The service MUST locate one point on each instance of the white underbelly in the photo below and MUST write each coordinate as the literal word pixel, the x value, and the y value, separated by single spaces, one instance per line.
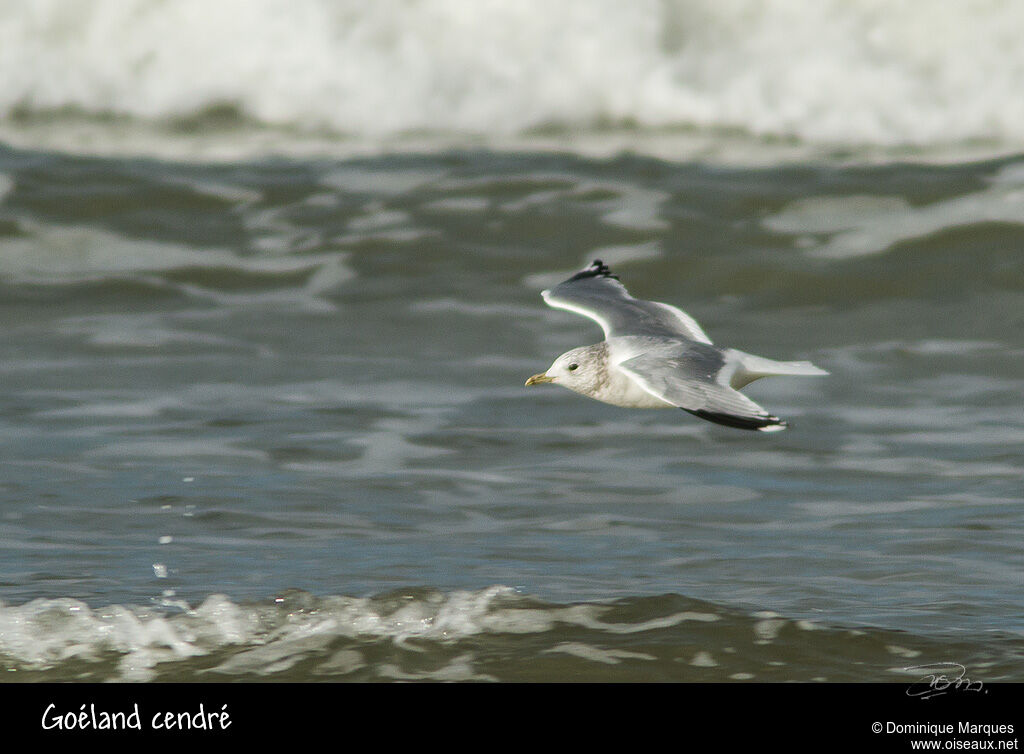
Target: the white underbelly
pixel 622 391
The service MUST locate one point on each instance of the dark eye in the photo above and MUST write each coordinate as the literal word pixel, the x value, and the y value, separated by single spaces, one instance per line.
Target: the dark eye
pixel 573 367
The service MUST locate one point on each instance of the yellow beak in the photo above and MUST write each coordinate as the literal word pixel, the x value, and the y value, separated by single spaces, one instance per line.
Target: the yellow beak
pixel 537 379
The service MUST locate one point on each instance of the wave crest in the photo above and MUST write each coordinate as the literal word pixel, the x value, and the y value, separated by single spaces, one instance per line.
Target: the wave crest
pixel 835 71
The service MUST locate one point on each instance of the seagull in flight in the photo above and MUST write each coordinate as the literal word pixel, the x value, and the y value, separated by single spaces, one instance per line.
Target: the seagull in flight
pixel 657 356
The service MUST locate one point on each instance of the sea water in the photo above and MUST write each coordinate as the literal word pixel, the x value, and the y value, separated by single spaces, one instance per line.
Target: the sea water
pixel 270 283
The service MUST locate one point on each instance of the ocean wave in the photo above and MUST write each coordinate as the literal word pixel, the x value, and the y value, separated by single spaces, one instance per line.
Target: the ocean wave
pixel 837 71
pixel 490 634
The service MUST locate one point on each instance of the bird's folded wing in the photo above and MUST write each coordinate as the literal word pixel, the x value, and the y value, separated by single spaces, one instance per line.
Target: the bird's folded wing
pixel 596 293
pixel 676 381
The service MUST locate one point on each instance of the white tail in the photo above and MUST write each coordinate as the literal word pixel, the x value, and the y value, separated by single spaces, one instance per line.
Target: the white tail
pixel 750 368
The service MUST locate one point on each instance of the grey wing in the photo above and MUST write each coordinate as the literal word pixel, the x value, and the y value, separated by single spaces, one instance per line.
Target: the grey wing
pixel 596 293
pixel 690 380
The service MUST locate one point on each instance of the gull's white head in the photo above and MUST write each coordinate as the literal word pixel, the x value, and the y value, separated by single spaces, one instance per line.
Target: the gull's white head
pixel 581 369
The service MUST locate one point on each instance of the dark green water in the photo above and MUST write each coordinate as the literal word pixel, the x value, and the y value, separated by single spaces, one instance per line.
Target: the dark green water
pixel 265 419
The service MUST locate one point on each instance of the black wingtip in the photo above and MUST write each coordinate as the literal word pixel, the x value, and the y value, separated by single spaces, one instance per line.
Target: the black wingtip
pixel 597 269
pixel 765 424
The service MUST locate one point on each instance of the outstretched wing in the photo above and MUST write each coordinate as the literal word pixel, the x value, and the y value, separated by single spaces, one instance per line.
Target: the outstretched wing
pixel 695 380
pixel 596 293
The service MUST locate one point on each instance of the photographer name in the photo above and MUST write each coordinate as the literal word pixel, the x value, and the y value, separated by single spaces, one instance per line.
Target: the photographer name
pixel 89 718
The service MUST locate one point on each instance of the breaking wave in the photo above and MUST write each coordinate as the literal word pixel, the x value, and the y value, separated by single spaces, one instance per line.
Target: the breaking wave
pixel 836 71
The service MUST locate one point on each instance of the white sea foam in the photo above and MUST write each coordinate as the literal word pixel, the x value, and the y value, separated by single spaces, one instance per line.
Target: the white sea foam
pixel 863 225
pixel 264 639
pixel 58 254
pixel 596 654
pixel 843 71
